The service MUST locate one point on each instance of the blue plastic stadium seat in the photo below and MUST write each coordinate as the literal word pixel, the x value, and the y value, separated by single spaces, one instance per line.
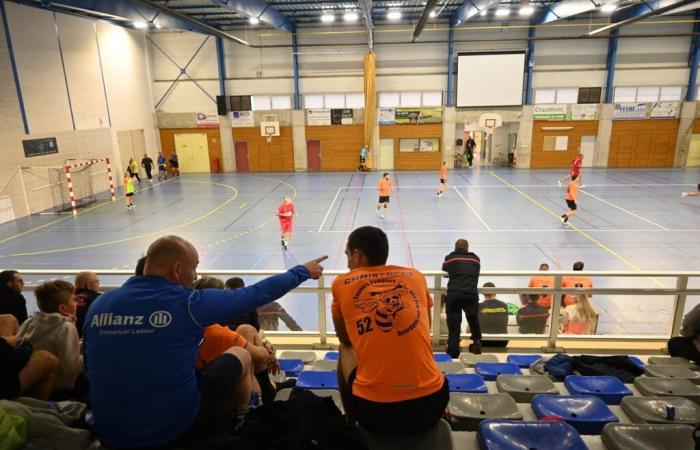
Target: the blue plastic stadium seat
pixel 609 389
pixel 523 360
pixel 491 370
pixel 586 413
pixel 332 356
pixel 636 361
pixel 442 357
pixel 317 379
pixel 466 382
pixel 291 367
pixel 514 435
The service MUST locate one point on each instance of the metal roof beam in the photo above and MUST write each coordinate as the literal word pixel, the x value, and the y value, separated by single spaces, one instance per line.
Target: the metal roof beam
pixel 566 9
pixel 423 18
pixel 469 9
pixel 641 11
pixel 260 9
pixel 366 8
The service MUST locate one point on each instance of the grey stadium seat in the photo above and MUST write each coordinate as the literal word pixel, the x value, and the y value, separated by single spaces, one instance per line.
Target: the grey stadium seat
pixel 451 367
pixel 437 438
pixel 667 387
pixel 523 387
pixel 325 364
pixel 283 394
pixel 654 410
pixel 307 357
pixel 671 361
pixel 672 371
pixel 470 360
pixel 468 410
pixel 627 436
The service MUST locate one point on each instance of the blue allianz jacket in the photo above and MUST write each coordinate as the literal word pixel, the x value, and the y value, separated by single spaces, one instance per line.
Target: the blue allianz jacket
pixel 141 342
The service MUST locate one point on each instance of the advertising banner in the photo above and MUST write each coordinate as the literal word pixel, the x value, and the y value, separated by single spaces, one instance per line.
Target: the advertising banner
pixel 318 116
pixel 207 120
pixel 664 110
pixel 386 116
pixel 418 115
pixel 630 111
pixel 242 119
pixel 341 116
pixel 584 112
pixel 549 112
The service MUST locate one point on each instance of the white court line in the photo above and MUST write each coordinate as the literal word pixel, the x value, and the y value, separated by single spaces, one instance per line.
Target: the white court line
pixel 501 186
pixel 472 208
pixel 329 209
pixel 625 210
pixel 552 230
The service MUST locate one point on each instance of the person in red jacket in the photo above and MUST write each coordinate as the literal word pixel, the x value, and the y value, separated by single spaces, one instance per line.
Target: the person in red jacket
pixel 286 213
pixel 575 170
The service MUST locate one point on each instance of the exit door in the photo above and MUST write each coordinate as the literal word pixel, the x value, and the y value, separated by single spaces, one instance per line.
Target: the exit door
pixel 242 162
pixel 313 155
pixel 386 154
pixel 588 150
pixel 192 152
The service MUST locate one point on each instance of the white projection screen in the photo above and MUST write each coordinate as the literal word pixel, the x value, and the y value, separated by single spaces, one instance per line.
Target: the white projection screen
pixel 490 79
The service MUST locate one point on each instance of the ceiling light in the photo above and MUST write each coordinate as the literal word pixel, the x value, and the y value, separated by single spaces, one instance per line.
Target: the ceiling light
pixel 502 12
pixel 253 21
pixel 350 16
pixel 526 10
pixel 483 12
pixel 327 18
pixel 140 25
pixel 608 7
pixel 158 26
pixel 433 14
pixel 393 15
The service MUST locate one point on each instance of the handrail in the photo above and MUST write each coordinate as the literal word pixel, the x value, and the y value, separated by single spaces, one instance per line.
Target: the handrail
pixel 678 289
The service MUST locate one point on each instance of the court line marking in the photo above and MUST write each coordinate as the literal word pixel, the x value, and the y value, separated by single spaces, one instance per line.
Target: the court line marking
pixel 329 210
pixel 583 233
pixel 481 219
pixel 500 186
pixel 552 230
pixel 242 205
pixel 625 210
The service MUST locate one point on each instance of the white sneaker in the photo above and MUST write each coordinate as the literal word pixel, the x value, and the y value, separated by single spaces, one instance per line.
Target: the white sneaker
pixel 379 212
pixel 582 186
pixel 561 219
pixel 559 182
pixel 382 216
pixel 684 194
pixel 133 206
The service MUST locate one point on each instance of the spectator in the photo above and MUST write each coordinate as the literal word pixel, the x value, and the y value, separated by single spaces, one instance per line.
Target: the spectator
pixel 142 341
pixel 174 164
pixel 147 164
pixel 24 372
pixel 249 317
pixel 579 281
pixel 540 281
pixel 11 299
pixel 269 316
pixel 388 380
pixel 463 269
pixel 493 317
pixel 8 325
pixel 579 318
pixel 140 264
pixel 87 286
pixel 687 345
pixel 532 318
pixel 52 329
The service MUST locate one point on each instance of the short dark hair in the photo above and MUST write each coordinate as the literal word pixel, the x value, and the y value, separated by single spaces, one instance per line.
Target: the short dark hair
pixel 544 266
pixel 372 242
pixel 578 265
pixel 208 283
pixel 234 283
pixel 52 294
pixel 140 265
pixel 489 284
pixel 6 276
pixel 385 174
pixel 534 297
pixel 462 245
pixel 573 177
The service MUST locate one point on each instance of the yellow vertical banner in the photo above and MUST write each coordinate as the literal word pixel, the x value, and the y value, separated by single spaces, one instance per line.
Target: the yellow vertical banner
pixel 370 99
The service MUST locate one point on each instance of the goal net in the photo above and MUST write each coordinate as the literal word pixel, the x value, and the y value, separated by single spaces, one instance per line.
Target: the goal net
pixel 66 189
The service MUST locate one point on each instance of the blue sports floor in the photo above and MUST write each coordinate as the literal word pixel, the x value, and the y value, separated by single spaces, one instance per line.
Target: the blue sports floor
pixel 628 220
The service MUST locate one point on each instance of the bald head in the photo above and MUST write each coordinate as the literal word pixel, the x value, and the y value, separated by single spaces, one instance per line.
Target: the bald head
pixel 461 245
pixel 174 259
pixel 87 280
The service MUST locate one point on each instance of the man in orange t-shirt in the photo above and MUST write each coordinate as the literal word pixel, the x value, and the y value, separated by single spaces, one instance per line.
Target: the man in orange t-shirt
pixel 443 179
pixel 388 379
pixel 542 281
pixel 575 282
pixel 385 189
pixel 571 197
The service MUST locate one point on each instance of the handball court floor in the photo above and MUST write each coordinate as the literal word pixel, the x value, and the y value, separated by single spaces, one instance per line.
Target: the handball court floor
pixel 628 220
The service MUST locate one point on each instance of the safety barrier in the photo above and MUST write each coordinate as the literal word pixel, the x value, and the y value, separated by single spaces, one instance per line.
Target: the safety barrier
pixel 436 279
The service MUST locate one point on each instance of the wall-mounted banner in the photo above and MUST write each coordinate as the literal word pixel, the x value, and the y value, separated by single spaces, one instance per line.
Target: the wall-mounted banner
pixel 242 119
pixel 386 116
pixel 38 147
pixel 664 110
pixel 630 111
pixel 207 120
pixel 584 112
pixel 418 115
pixel 318 116
pixel 341 116
pixel 549 112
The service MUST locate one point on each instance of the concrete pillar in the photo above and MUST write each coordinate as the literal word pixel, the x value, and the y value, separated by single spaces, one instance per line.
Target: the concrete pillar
pixel 228 155
pixel 449 115
pixel 523 150
pixel 299 139
pixel 374 147
pixel 602 142
pixel 685 131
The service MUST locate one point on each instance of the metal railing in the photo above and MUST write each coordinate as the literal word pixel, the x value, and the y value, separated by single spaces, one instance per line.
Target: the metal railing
pixel 322 289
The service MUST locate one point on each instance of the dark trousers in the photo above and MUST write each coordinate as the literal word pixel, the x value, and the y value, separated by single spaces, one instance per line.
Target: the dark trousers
pixel 455 303
pixel 470 158
pixel 684 347
pixel 148 172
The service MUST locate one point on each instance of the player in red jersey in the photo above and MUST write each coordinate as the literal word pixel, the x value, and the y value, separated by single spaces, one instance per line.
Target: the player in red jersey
pixel 575 170
pixel 286 212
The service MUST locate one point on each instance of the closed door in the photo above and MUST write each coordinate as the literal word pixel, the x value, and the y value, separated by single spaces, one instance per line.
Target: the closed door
pixel 694 151
pixel 192 152
pixel 386 154
pixel 588 150
pixel 313 155
pixel 242 163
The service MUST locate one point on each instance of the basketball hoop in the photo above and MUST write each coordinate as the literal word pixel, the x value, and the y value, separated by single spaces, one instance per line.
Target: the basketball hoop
pixel 268 138
pixel 490 121
pixel 269 127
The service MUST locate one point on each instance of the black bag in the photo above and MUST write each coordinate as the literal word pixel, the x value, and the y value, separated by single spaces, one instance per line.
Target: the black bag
pixel 616 366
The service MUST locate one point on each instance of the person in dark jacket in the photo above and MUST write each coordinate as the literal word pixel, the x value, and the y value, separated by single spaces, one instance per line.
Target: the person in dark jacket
pixel 687 344
pixel 269 316
pixel 532 318
pixel 87 286
pixel 463 269
pixel 247 318
pixel 11 299
pixel 493 317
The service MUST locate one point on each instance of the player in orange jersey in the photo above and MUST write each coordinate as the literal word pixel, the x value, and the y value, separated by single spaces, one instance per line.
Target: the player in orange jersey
pixel 571 197
pixel 385 188
pixel 443 179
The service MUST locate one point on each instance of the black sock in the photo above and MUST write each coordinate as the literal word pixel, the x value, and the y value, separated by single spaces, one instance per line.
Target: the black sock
pixel 566 218
pixel 266 388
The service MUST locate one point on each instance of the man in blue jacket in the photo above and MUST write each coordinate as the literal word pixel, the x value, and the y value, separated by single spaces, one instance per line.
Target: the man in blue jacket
pixel 141 342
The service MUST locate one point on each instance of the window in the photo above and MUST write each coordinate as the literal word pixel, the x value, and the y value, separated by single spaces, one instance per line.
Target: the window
pixel 355 100
pixel 671 93
pixel 389 99
pixel 239 103
pixel 545 96
pixel 338 101
pixel 647 93
pixel 409 145
pixel 559 96
pixel 411 99
pixel 432 98
pixel 335 100
pixel 313 101
pixel 281 102
pixel 625 95
pixel 261 103
pixel 567 95
pixel 589 95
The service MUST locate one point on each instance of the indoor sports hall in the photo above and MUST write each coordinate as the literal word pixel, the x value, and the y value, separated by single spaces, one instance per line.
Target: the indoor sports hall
pixel 261 133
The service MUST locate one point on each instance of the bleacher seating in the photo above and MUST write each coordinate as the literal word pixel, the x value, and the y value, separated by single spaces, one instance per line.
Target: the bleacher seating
pixel 467 411
pixel 513 435
pixel 451 367
pixel 317 379
pixel 307 357
pixel 586 413
pixel 470 360
pixel 672 371
pixel 661 410
pixel 466 382
pixel 609 389
pixel 522 361
pixel 332 356
pixel 524 387
pixel 442 357
pixel 325 365
pixel 667 387
pixel 492 370
pixel 291 367
pixel 626 436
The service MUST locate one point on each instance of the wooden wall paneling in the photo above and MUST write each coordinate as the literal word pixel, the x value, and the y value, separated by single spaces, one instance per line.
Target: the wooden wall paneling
pixel 643 143
pixel 542 159
pixel 340 145
pixel 276 156
pixel 167 142
pixel 414 160
pixel 696 126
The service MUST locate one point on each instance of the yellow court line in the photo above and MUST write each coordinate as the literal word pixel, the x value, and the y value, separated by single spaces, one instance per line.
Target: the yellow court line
pixel 242 205
pixel 80 212
pixel 132 238
pixel 582 233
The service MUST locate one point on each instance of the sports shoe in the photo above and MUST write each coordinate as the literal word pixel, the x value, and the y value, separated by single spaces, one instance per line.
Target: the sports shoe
pixel 379 212
pixel 439 194
pixel 559 183
pixel 382 216
pixel 561 219
pixel 582 186
pixel 684 194
pixel 475 347
pixel 285 244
